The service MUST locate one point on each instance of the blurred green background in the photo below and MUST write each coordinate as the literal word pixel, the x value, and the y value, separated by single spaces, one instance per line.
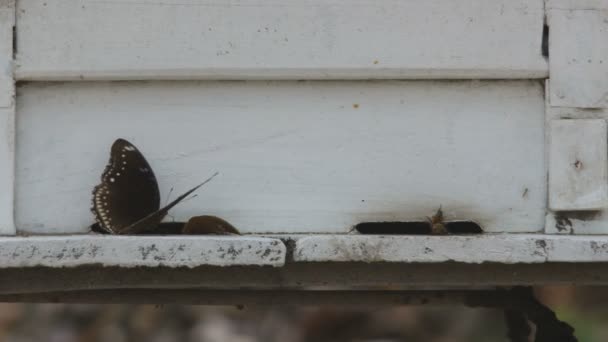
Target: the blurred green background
pixel 581 307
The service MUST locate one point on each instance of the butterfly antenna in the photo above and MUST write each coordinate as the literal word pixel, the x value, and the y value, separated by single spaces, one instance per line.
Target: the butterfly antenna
pixel 168 196
pixel 189 198
pixel 184 195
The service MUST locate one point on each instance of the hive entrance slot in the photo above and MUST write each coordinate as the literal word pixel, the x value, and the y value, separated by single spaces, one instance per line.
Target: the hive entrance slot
pixel 415 228
pixel 463 227
pixel 394 228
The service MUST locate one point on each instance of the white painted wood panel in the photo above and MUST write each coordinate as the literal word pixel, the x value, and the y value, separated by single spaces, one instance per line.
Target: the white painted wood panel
pixel 578 166
pixel 579 53
pixel 7 21
pixel 503 248
pixel 146 251
pixel 289 39
pixel 575 222
pixel 7 118
pixel 292 156
pixel 7 170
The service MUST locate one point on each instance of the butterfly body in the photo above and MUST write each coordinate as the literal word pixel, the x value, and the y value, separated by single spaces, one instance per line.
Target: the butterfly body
pixel 207 224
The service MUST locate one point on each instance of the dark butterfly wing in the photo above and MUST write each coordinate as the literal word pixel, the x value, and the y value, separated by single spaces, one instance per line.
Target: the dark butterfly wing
pixel 152 220
pixel 128 191
pixel 209 225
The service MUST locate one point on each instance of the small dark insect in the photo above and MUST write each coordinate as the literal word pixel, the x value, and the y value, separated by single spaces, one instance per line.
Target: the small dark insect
pixel 209 225
pixel 440 227
pixel 128 200
pixel 434 225
pixel 437 224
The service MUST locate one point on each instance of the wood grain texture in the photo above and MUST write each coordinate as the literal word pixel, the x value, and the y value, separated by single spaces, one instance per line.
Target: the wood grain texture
pixel 139 251
pixel 7 119
pixel 289 39
pixel 292 156
pixel 477 249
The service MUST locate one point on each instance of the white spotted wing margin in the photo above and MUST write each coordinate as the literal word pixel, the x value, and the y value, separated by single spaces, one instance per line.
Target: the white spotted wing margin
pixel 128 196
pixel 128 190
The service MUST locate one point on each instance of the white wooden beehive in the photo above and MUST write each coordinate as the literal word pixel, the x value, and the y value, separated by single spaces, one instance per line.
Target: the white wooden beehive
pixel 319 115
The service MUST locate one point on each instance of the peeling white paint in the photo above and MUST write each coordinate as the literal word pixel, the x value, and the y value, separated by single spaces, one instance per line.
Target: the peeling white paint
pixel 593 141
pixel 503 248
pixel 134 251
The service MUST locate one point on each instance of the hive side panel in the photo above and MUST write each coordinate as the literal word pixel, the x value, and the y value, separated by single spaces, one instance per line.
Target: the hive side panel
pixel 292 156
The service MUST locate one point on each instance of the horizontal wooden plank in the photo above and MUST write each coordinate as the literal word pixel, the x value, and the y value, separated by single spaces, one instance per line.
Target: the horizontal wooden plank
pixel 303 276
pixel 575 222
pixel 504 248
pixel 292 156
pixel 290 39
pixel 488 298
pixel 140 251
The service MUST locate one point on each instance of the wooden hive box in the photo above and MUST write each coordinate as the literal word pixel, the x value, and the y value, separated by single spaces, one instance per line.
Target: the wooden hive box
pixel 318 115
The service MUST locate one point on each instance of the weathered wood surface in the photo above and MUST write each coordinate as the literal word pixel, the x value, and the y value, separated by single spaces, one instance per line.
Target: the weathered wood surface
pixel 337 275
pixel 194 251
pixel 140 251
pixel 578 166
pixel 7 118
pixel 578 53
pixel 292 156
pixel 501 248
pixel 289 39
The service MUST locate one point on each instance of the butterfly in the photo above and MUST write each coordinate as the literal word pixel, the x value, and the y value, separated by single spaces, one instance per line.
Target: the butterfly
pixel 127 201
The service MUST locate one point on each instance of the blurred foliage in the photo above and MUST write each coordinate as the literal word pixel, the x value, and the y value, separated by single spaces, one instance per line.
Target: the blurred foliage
pixel 583 308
